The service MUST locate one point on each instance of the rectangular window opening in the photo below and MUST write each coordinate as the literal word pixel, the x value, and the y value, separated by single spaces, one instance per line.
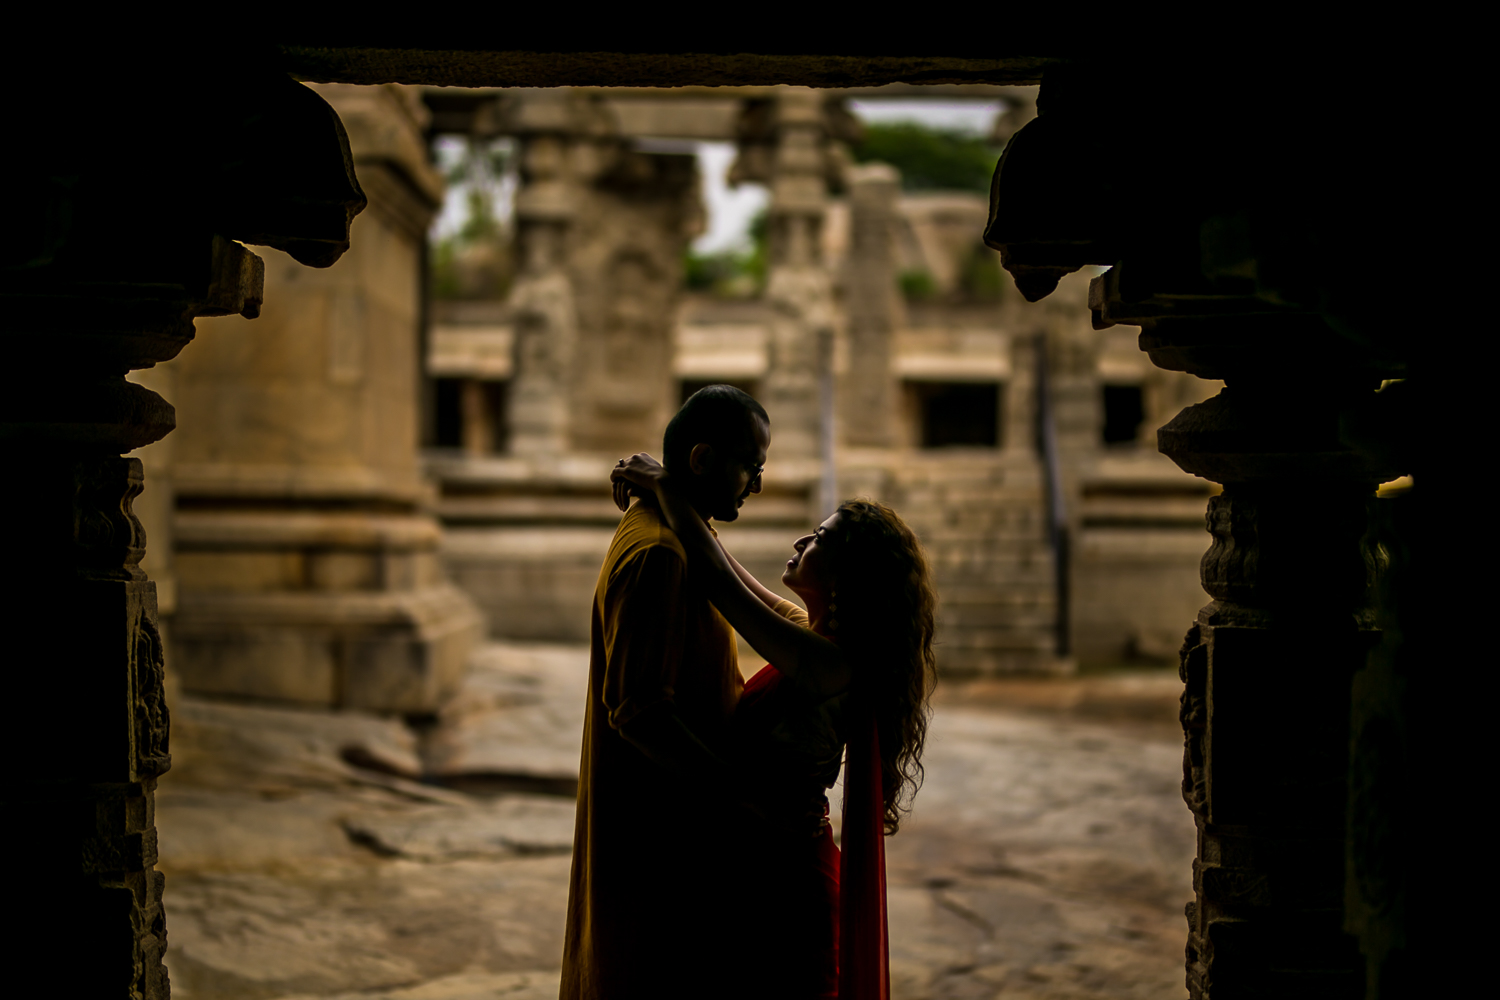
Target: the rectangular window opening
pixel 448 417
pixel 957 414
pixel 1124 412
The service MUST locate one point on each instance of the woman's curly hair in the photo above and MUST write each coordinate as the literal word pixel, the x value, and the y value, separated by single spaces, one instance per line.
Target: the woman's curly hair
pixel 886 604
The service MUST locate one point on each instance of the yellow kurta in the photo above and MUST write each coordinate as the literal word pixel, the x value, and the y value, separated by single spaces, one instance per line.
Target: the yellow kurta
pixel 649 895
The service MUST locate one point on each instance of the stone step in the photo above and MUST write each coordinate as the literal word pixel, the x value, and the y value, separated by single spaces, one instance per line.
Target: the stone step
pixel 997 619
pixel 916 501
pixel 1011 529
pixel 988 544
pixel 982 553
pixel 957 580
pixel 980 597
pixel 997 638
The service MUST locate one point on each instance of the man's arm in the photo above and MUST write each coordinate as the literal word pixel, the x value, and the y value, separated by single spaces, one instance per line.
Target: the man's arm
pixel 645 653
pixel 660 734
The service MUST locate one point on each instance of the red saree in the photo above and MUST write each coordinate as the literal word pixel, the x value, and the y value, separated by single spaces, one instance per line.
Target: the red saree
pixel 854 876
pixel 864 956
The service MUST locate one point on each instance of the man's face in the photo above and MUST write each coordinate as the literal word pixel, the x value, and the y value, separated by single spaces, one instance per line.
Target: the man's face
pixel 734 474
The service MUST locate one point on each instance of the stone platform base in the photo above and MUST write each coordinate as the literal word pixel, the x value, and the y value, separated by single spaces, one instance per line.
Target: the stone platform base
pixel 402 651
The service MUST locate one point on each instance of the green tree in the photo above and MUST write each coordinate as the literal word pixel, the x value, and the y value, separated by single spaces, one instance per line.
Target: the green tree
pixel 930 159
pixel 473 263
pixel 730 273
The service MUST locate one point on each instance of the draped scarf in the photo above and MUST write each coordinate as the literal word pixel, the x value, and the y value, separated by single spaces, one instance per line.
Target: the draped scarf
pixel 864 944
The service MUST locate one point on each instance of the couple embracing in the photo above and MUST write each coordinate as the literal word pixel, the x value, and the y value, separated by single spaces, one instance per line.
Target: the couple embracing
pixel 704 863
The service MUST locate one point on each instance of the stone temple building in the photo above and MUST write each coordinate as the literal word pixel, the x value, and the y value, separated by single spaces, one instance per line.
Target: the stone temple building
pixel 932 405
pixel 304 559
pixel 1314 678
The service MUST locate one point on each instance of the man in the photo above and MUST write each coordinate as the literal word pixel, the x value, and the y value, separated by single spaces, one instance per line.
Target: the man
pixel 650 899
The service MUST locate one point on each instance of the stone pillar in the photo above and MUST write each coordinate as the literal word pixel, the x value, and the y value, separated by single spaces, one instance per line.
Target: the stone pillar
pixel 104 269
pixel 542 299
pixel 795 127
pixel 640 212
pixel 156 505
pixel 1267 668
pixel 1268 664
pixel 308 565
pixel 873 306
pixel 478 428
pixel 1020 416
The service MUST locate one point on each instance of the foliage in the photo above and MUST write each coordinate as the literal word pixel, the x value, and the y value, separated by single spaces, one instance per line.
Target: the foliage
pixel 491 161
pixel 473 263
pixel 981 279
pixel 443 280
pixel 730 273
pixel 930 159
pixel 917 285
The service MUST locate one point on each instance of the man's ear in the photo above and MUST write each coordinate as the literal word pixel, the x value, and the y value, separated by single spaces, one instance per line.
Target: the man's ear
pixel 700 458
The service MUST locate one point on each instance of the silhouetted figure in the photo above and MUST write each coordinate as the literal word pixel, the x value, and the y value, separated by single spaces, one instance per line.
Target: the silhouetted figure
pixel 651 900
pixel 853 669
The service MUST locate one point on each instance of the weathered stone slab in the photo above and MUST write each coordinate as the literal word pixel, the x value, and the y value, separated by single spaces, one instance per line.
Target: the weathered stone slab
pixel 254 747
pixel 1045 857
pixel 508 827
pixel 465 986
pixel 336 928
pixel 518 712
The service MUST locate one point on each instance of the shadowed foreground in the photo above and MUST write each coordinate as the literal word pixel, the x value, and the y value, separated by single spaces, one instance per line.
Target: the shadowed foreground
pixel 1050 854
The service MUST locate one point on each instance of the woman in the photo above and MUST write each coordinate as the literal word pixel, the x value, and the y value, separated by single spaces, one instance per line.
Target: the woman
pixel 854 669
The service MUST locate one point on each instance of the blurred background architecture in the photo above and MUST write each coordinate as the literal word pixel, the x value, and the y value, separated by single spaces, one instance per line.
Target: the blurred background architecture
pixel 377 535
pixel 406 456
pixel 304 558
pixel 865 313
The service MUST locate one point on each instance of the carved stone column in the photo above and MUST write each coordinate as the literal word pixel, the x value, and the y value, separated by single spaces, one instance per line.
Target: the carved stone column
pixel 542 300
pixel 1020 420
pixel 638 214
pixel 308 566
pixel 790 142
pixel 103 272
pixel 874 308
pixel 1267 669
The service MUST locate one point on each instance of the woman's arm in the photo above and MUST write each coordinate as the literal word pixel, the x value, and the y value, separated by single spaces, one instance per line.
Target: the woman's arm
pixel 767 597
pixel 624 489
pixel 803 655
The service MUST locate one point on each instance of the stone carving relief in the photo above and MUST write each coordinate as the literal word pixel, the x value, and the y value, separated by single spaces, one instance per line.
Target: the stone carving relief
pixel 108 537
pixel 152 724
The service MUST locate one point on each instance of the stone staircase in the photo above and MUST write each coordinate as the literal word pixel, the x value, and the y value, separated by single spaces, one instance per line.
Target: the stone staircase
pixel 982 517
pixel 526 543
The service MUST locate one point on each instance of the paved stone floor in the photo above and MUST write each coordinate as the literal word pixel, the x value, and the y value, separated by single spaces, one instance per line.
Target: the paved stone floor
pixel 1049 855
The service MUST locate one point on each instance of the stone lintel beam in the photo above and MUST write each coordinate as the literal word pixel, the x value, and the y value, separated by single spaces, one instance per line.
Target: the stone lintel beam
pixel 568 60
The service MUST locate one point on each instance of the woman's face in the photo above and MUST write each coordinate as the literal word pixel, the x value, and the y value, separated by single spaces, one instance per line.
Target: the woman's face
pixel 810 570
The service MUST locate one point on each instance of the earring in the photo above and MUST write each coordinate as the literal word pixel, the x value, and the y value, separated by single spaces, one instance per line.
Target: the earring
pixel 833 623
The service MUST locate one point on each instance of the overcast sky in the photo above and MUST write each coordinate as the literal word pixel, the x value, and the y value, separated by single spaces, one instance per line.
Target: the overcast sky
pixel 730 211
